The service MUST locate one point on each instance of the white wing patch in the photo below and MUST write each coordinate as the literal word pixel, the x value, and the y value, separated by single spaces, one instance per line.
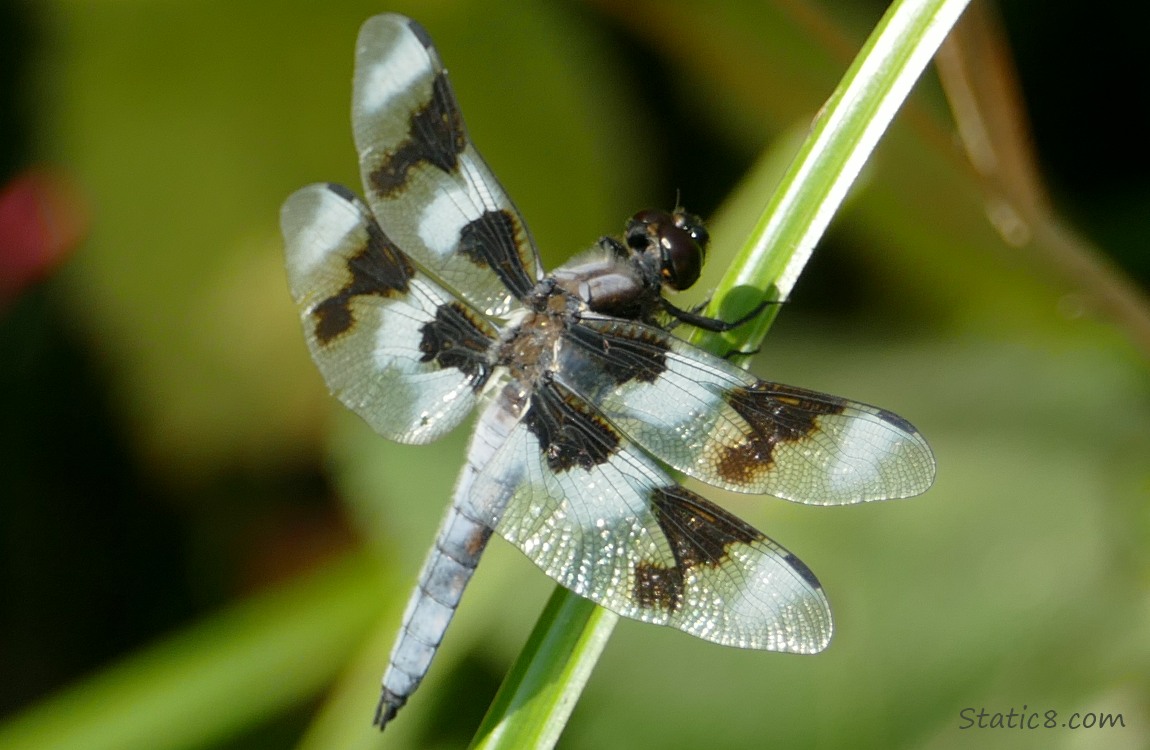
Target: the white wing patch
pixel 392 74
pixel 318 224
pixel 452 208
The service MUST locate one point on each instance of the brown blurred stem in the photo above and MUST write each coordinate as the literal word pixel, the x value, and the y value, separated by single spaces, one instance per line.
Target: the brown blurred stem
pixel 978 76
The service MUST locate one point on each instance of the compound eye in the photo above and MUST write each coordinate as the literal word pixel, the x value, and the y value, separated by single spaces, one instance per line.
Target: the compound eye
pixel 681 256
pixel 693 226
pixel 680 238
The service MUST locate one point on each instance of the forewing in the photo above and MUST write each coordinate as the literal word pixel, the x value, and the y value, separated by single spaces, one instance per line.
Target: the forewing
pixel 424 179
pixel 713 421
pixel 391 344
pixel 602 519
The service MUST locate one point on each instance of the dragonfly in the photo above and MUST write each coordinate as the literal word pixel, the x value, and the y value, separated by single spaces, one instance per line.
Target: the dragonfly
pixel 429 301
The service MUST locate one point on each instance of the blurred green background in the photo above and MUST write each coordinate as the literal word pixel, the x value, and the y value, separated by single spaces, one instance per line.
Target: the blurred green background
pixel 199 548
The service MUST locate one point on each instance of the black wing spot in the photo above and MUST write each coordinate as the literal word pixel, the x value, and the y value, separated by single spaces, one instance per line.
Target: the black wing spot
pixel 657 587
pixel 568 434
pixel 636 356
pixel 493 241
pixel 699 533
pixel 379 268
pixel 438 137
pixel 776 414
pixel 455 339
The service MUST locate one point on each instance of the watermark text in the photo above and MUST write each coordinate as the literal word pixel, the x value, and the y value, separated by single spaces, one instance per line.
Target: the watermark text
pixel 981 717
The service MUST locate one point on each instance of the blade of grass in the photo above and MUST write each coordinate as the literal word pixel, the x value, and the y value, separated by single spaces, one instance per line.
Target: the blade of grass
pixel 560 653
pixel 539 694
pixel 205 684
pixel 841 139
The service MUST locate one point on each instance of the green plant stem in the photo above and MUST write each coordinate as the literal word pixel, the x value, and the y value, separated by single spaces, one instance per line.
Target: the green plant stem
pixel 537 698
pixel 561 651
pixel 842 138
